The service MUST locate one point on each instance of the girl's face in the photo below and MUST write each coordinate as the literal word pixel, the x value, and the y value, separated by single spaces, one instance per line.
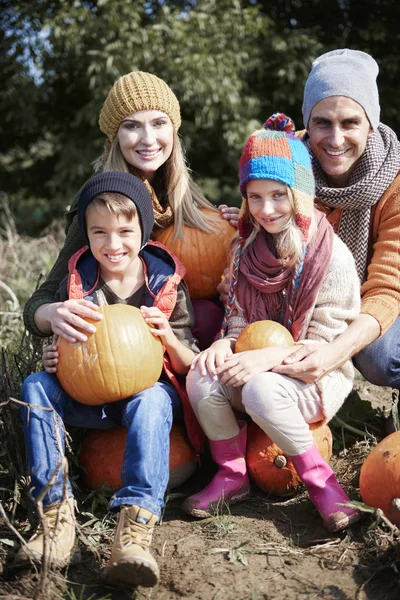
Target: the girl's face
pixel 115 242
pixel 146 140
pixel 269 204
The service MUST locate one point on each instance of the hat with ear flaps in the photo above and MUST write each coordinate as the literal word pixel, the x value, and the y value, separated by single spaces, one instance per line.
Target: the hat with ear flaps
pixel 274 153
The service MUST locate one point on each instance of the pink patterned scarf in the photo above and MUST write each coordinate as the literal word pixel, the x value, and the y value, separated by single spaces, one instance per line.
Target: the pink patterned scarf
pixel 265 287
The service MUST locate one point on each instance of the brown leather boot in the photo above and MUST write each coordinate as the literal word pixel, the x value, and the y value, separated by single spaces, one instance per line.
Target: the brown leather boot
pixel 60 520
pixel 131 562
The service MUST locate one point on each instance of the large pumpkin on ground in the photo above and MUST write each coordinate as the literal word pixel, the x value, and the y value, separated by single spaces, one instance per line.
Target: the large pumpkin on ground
pixel 120 359
pixel 270 468
pixel 263 334
pixel 205 255
pixel 102 453
pixel 380 477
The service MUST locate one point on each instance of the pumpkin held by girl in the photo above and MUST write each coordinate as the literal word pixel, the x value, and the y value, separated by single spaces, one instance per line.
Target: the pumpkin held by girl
pixel 263 334
pixel 119 360
pixel 102 453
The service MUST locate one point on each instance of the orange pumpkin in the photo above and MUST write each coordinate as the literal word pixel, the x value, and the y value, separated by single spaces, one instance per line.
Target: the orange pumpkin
pixel 102 453
pixel 120 359
pixel 205 255
pixel 263 334
pixel 380 477
pixel 271 469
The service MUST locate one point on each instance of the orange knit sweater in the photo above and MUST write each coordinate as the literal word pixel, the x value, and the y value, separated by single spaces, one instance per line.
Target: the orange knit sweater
pixel 380 294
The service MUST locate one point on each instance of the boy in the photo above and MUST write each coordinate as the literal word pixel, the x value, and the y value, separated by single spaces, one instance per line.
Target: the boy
pixel 119 266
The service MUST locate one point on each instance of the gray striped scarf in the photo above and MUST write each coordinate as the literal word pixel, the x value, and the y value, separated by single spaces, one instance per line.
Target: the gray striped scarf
pixel 376 170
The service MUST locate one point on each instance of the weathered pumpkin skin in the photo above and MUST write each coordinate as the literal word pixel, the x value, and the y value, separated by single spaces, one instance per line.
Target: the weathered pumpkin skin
pixel 102 453
pixel 205 255
pixel 263 334
pixel 120 359
pixel 380 477
pixel 264 458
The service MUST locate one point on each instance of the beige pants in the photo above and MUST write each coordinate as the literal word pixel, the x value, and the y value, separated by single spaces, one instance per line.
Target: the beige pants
pixel 280 405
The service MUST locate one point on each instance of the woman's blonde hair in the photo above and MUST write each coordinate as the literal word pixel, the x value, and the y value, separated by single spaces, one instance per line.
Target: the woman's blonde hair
pixel 184 196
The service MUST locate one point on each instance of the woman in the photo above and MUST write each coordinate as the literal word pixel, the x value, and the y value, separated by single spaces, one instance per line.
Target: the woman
pixel 141 119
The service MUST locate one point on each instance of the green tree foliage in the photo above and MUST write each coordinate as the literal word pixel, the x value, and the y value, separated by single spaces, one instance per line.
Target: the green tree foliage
pixel 231 63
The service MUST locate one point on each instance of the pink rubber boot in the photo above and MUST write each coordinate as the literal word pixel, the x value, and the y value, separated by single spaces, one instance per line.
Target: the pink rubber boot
pixel 325 491
pixel 231 482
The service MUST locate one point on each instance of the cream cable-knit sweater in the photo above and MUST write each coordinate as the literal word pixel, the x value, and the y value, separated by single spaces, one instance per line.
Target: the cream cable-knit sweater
pixel 336 305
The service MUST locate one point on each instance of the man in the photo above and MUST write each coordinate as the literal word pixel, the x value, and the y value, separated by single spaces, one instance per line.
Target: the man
pixel 356 162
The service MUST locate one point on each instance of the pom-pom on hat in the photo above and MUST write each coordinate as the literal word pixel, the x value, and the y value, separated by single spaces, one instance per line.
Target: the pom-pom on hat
pixel 275 153
pixel 343 72
pixel 121 183
pixel 134 92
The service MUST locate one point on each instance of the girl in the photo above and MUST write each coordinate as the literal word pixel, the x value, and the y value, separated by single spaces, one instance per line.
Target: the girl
pixel 287 266
pixel 141 119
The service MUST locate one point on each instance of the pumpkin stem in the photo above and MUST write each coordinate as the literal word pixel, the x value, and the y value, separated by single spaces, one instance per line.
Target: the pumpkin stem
pixel 396 503
pixel 280 461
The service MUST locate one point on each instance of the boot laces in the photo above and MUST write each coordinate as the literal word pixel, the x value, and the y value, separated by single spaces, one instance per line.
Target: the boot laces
pixel 136 533
pixel 54 518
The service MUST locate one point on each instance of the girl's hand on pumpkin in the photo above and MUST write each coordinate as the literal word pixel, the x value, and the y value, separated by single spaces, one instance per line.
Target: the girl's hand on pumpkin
pixel 50 356
pixel 230 213
pixel 67 319
pixel 212 358
pixel 241 367
pixel 159 325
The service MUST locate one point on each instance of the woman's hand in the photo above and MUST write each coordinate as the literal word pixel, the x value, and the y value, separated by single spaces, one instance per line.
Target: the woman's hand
pixel 212 358
pixel 241 367
pixel 67 319
pixel 159 324
pixel 50 356
pixel 230 213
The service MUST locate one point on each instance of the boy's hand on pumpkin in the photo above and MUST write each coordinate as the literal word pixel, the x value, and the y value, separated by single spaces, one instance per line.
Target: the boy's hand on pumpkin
pixel 241 367
pixel 159 325
pixel 212 358
pixel 230 213
pixel 50 356
pixel 68 319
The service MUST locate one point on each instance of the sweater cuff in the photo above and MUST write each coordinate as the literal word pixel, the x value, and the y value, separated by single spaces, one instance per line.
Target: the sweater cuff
pixel 384 312
pixel 29 318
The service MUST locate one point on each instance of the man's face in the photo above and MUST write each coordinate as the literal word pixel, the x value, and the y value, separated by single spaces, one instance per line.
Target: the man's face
pixel 338 130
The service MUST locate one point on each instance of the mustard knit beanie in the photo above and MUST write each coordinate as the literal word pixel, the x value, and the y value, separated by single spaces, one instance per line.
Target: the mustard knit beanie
pixel 133 92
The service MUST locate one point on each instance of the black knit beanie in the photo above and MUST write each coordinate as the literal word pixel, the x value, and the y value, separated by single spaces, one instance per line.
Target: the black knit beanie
pixel 121 183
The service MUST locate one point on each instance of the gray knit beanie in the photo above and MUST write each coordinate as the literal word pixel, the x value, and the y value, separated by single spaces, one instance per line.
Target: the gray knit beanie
pixel 344 72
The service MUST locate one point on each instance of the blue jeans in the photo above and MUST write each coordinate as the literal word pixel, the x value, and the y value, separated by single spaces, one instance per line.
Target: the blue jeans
pixel 379 363
pixel 147 416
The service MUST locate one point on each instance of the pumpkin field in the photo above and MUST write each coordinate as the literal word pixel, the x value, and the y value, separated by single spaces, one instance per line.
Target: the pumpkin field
pixel 266 547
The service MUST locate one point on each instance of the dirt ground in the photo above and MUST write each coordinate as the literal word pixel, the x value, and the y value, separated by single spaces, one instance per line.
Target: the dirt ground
pixel 264 549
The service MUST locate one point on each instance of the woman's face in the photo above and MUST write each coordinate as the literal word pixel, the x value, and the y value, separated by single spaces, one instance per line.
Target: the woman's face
pixel 146 140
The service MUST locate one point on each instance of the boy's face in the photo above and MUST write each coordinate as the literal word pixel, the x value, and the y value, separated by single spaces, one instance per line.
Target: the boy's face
pixel 114 241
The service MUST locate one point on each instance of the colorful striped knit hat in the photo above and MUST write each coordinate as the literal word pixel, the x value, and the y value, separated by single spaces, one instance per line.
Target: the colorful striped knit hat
pixel 274 153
